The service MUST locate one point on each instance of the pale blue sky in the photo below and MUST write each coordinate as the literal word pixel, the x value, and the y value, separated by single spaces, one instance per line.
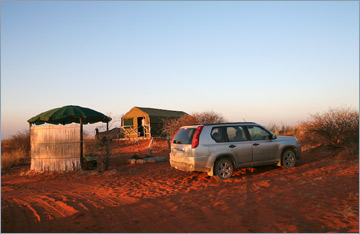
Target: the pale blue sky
pixel 258 61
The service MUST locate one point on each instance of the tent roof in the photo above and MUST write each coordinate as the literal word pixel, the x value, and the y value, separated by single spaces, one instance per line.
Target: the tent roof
pixel 162 113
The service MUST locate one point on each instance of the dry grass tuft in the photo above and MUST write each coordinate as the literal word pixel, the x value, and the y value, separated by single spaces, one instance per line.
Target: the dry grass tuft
pixel 13 158
pixel 15 150
pixel 19 141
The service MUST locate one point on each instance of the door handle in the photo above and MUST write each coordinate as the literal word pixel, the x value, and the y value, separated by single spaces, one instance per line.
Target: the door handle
pixel 256 144
pixel 232 146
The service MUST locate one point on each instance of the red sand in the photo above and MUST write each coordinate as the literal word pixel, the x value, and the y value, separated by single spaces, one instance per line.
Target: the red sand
pixel 321 194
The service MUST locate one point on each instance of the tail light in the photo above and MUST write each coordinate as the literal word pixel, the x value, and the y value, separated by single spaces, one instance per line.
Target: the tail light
pixel 196 138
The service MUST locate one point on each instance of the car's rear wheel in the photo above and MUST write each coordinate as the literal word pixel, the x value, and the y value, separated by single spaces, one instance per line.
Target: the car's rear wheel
pixel 223 169
pixel 288 158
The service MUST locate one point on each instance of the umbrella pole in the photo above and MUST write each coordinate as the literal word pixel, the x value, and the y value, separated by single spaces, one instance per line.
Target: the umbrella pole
pixel 30 143
pixel 107 145
pixel 81 143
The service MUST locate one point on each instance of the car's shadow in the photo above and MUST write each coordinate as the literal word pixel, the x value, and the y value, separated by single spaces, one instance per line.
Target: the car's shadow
pixel 253 171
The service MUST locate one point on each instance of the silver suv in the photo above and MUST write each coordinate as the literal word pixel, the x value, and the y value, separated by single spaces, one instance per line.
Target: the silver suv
pixel 220 148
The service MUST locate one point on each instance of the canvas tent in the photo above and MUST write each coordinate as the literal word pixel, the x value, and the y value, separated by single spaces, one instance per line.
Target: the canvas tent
pixel 146 122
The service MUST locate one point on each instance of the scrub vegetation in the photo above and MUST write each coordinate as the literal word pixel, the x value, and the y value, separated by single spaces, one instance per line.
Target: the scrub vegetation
pixel 338 127
pixel 15 150
pixel 171 126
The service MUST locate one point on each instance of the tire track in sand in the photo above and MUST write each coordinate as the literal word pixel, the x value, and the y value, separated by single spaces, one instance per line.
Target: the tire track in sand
pixel 10 210
pixel 103 208
pixel 27 219
pixel 47 212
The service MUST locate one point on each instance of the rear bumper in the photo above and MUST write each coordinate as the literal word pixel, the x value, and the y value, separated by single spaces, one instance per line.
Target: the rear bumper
pixel 189 164
pixel 182 166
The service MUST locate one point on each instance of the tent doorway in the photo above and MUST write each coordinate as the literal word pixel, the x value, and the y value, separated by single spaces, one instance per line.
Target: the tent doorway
pixel 141 130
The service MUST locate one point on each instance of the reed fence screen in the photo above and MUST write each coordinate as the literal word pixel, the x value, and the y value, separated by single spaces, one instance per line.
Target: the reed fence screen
pixel 55 147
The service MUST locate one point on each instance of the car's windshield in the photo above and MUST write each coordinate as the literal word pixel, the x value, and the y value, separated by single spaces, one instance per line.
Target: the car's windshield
pixel 257 133
pixel 184 136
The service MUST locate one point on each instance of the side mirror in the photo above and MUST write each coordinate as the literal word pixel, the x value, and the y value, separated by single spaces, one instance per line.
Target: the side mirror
pixel 273 137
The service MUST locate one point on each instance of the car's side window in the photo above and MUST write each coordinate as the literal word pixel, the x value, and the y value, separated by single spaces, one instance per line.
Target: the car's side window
pixel 235 134
pixel 257 133
pixel 228 134
pixel 217 134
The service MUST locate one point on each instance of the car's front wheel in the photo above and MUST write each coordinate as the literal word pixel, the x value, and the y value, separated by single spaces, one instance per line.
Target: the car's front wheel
pixel 223 169
pixel 288 158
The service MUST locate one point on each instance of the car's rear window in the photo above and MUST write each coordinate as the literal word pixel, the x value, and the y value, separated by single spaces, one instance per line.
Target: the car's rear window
pixel 184 136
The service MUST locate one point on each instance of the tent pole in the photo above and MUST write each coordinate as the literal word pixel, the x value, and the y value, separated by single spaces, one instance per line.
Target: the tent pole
pixel 81 143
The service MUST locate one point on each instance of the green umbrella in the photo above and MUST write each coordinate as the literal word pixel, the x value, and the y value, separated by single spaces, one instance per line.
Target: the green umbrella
pixel 69 114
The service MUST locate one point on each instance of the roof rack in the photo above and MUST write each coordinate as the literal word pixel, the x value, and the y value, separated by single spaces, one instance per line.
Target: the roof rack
pixel 231 123
pixel 228 123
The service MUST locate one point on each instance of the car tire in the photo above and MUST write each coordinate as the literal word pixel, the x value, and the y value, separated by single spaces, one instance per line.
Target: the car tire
pixel 223 169
pixel 288 158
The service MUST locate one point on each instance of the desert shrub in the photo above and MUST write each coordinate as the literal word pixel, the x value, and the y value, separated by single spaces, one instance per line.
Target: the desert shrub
pixel 15 150
pixel 13 158
pixel 337 127
pixel 19 141
pixel 208 117
pixel 170 126
pixel 282 129
pixel 306 140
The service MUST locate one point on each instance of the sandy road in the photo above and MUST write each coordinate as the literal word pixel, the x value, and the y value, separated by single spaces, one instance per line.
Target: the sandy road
pixel 319 195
